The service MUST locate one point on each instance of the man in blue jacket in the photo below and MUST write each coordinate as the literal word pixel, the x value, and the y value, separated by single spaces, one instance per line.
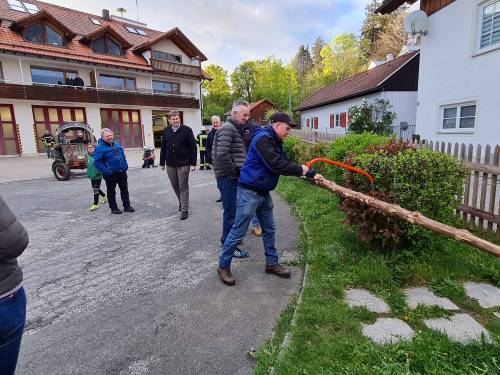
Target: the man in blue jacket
pixel 264 164
pixel 110 160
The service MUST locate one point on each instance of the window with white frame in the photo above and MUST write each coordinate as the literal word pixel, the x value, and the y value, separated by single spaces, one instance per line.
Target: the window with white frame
pixel 337 119
pixel 490 24
pixel 458 117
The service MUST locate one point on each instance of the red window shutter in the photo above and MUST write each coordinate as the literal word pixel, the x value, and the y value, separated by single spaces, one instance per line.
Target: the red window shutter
pixel 343 119
pixel 307 123
pixel 315 123
pixel 332 120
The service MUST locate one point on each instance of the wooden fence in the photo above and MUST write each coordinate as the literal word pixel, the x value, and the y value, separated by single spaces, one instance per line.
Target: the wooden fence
pixel 480 208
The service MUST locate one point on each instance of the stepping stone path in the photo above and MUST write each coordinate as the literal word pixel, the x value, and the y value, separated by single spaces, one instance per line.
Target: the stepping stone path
pixel 486 295
pixel 460 327
pixel 388 331
pixel 423 296
pixel 363 298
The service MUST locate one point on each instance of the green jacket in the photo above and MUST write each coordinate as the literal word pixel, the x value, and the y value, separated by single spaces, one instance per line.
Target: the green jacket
pixel 92 171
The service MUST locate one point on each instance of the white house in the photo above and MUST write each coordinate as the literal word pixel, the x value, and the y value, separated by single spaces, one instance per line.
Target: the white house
pixel 131 76
pixel 395 80
pixel 459 79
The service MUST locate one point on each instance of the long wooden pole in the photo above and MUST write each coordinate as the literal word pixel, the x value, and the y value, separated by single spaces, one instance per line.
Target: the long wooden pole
pixel 413 217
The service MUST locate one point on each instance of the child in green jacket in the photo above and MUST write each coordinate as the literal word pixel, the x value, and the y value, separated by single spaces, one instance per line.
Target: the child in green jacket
pixel 95 178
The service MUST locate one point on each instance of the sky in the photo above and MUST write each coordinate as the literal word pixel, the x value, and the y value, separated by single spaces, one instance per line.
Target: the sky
pixel 230 32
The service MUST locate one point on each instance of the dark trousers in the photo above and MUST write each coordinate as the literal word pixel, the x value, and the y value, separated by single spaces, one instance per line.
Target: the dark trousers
pixel 203 155
pixel 119 178
pixel 96 188
pixel 228 188
pixel 12 320
pixel 148 163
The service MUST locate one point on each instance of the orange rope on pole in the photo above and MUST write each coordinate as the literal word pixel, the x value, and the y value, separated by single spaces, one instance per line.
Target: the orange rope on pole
pixel 309 164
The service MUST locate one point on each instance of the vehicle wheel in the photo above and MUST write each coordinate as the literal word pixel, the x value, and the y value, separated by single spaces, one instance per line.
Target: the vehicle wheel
pixel 61 170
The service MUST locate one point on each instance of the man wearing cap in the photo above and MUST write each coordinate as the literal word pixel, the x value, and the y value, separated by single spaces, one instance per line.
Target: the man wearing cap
pixel 259 175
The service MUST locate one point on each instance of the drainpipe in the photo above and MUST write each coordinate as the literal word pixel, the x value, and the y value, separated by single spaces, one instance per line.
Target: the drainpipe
pixel 22 78
pixel 96 79
pixel 201 103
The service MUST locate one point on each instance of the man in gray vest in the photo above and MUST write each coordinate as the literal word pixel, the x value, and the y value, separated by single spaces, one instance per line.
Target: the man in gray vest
pixel 228 156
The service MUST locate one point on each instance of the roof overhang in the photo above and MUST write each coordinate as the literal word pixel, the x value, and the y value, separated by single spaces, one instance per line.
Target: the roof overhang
pixel 109 31
pixel 338 100
pixel 389 6
pixel 179 39
pixel 39 16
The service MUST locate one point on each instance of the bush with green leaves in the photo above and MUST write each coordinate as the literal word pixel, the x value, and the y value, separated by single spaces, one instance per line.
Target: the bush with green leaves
pixel 374 117
pixel 355 144
pixel 419 180
pixel 302 152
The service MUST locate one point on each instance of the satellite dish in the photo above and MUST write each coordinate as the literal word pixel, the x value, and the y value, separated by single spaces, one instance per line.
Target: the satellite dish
pixel 416 23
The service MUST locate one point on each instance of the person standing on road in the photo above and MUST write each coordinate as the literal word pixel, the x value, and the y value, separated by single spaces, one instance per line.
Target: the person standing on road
pixel 110 160
pixel 178 154
pixel 95 179
pixel 13 241
pixel 48 141
pixel 210 141
pixel 265 162
pixel 201 139
pixel 228 154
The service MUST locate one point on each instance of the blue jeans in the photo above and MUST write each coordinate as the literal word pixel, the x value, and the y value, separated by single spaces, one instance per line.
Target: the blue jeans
pixel 228 190
pixel 249 204
pixel 255 221
pixel 12 319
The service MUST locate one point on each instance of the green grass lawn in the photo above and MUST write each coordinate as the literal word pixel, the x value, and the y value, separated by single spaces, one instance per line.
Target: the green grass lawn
pixel 327 338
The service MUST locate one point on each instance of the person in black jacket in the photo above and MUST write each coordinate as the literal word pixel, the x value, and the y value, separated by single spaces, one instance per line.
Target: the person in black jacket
pixel 13 241
pixel 178 154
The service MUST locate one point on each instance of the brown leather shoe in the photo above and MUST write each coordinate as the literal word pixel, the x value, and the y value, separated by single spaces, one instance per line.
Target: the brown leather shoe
pixel 279 270
pixel 226 276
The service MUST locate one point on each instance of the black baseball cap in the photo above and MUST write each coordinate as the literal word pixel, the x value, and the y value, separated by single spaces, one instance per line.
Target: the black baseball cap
pixel 281 117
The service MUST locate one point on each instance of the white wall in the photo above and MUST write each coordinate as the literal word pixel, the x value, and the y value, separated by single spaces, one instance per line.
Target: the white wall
pixel 147 124
pixel 451 71
pixel 24 117
pixel 192 118
pixel 404 104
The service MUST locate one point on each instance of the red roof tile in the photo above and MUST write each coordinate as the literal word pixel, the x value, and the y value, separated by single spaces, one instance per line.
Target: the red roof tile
pixel 359 84
pixel 79 23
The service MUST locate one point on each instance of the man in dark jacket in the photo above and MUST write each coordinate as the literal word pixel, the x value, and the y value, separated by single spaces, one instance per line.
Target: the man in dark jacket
pixel 110 160
pixel 228 155
pixel 259 175
pixel 13 241
pixel 178 154
pixel 210 137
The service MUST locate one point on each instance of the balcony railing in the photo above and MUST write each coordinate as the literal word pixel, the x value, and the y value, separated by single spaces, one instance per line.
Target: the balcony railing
pixel 176 68
pixel 89 94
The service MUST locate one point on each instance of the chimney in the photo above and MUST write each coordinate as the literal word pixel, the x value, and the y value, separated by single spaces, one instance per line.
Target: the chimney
pixel 389 57
pixel 105 14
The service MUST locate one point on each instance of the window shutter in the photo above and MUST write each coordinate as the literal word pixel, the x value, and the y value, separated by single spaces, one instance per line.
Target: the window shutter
pixel 343 119
pixel 332 119
pixel 307 123
pixel 315 123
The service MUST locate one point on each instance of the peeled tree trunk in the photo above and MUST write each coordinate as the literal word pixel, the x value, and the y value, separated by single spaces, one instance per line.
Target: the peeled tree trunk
pixel 413 217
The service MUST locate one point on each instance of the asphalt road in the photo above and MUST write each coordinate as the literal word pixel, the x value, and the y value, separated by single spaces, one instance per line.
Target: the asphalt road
pixel 138 293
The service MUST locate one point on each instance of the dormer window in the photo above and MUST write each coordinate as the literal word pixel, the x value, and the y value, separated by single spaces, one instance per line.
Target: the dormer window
pixel 107 46
pixel 164 56
pixel 43 33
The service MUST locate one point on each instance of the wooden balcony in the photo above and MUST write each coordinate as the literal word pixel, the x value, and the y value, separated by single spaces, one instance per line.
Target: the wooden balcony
pixel 182 70
pixel 61 93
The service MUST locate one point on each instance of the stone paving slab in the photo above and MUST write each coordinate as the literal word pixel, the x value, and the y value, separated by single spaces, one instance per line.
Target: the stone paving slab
pixel 486 295
pixel 423 296
pixel 388 331
pixel 460 328
pixel 363 298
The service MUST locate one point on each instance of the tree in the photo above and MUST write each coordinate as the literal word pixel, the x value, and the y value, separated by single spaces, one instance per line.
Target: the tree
pixel 243 81
pixel 376 25
pixel 121 11
pixel 302 63
pixel 342 58
pixel 217 94
pixel 375 117
pixel 317 47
